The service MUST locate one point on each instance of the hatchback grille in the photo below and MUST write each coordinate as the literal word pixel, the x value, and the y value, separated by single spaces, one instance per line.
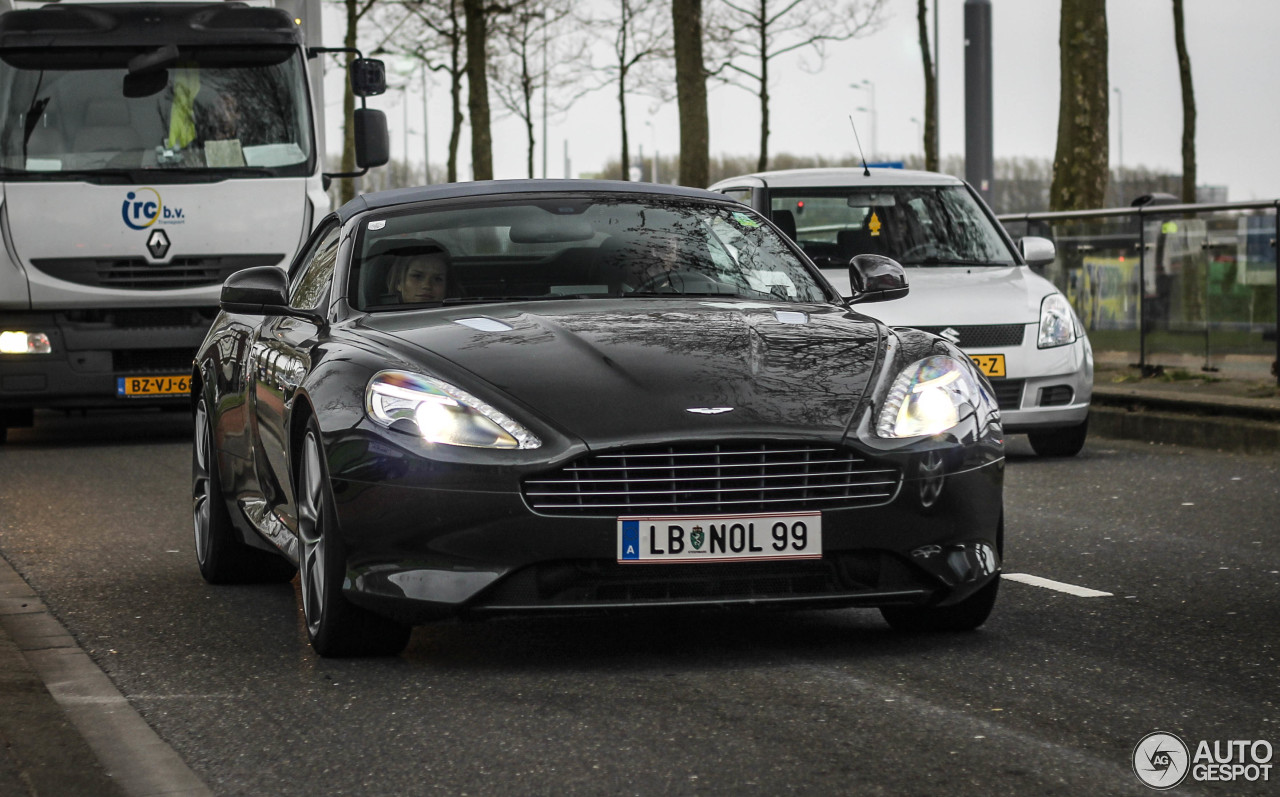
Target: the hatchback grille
pixel 984 336
pixel 136 273
pixel 715 478
pixel 1008 393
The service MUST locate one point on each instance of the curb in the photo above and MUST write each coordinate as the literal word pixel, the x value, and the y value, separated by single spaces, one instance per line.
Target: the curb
pixel 1216 425
pixel 73 732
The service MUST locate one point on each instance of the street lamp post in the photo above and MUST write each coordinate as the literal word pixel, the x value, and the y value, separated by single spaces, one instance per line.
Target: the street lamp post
pixel 871 109
pixel 1120 142
pixel 919 132
pixel 426 150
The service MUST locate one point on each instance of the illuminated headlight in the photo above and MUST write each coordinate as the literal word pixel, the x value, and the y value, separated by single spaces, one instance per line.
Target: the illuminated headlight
pixel 24 343
pixel 441 413
pixel 1057 322
pixel 927 398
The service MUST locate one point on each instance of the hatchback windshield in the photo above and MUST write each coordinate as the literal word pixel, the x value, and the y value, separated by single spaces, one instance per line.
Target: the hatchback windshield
pixel 915 225
pixel 72 114
pixel 580 246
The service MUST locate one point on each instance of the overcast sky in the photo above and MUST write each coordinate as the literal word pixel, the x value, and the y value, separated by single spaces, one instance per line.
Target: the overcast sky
pixel 1235 57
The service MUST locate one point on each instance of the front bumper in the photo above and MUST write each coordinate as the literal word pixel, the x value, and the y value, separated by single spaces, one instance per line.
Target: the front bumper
pixel 93 349
pixel 1045 388
pixel 419 554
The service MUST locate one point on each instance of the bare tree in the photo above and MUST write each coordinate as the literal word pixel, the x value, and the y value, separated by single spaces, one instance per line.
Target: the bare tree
pixel 762 30
pixel 930 89
pixel 533 41
pixel 691 93
pixel 639 45
pixel 477 37
pixel 1188 107
pixel 355 11
pixel 434 34
pixel 1080 164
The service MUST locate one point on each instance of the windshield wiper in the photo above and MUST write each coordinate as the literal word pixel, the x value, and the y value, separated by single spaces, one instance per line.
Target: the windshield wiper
pixel 105 176
pixel 934 260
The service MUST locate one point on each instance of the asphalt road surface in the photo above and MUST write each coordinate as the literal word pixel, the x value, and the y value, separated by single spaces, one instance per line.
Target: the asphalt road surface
pixel 1050 697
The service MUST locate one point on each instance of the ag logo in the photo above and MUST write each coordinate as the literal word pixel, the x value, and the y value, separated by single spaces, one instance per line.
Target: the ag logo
pixel 1160 760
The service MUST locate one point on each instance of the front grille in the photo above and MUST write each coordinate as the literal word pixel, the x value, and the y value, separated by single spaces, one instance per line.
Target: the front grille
pixel 136 273
pixel 1008 393
pixel 1056 396
pixel 984 336
pixel 713 478
pixel 168 361
pixel 146 317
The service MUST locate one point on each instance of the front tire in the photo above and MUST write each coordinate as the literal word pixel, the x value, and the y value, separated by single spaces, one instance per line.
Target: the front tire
pixel 335 626
pixel 1065 442
pixel 966 615
pixel 221 554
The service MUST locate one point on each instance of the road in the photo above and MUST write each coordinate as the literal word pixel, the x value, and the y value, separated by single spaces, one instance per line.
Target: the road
pixel 1050 697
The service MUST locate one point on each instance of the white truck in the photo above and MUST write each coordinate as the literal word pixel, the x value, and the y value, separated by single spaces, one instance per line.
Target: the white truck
pixel 147 151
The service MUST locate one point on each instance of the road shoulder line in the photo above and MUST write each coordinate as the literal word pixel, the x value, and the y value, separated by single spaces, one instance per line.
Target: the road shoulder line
pixel 1057 586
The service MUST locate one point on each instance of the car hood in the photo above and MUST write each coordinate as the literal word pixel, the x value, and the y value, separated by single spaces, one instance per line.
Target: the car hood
pixel 954 295
pixel 634 369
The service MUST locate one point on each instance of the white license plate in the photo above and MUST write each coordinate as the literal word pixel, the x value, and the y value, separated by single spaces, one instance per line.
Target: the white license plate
pixel 720 538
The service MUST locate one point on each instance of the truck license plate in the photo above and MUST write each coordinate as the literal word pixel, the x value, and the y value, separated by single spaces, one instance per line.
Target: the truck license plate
pixel 136 386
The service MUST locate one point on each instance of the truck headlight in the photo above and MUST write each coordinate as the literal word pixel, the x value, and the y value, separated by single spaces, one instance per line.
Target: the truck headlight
pixel 441 413
pixel 928 397
pixel 16 342
pixel 1057 322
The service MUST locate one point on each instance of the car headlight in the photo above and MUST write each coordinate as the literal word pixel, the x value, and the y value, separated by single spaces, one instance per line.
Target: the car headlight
pixel 441 413
pixel 1057 322
pixel 927 398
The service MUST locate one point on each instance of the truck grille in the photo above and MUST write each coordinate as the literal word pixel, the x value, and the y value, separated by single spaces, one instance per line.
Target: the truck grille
pixel 984 336
pixel 136 273
pixel 713 478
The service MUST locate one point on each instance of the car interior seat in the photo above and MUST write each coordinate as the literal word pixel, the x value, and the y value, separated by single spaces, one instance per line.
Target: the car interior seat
pixel 107 127
pixel 786 222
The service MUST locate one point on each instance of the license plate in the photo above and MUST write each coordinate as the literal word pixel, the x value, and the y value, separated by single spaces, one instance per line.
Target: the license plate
pixel 131 386
pixel 720 538
pixel 989 364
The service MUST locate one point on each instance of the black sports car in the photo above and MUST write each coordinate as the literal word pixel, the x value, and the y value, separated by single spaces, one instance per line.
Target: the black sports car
pixel 535 396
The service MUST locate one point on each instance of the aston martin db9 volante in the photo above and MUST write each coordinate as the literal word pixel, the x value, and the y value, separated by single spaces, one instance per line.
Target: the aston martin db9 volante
pixel 565 396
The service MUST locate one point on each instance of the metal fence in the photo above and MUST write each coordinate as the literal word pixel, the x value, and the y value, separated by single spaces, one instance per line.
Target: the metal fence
pixel 1170 286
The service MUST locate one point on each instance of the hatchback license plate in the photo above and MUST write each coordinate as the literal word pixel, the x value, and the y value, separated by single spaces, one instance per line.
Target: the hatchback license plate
pixel 720 538
pixel 989 364
pixel 133 386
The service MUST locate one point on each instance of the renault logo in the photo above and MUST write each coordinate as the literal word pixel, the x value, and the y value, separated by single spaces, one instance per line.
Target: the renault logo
pixel 158 244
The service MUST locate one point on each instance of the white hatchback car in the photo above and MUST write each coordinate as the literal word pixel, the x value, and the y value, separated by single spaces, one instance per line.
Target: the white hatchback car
pixel 969 282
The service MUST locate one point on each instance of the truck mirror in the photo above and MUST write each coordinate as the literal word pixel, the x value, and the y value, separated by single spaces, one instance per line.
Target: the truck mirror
pixel 373 145
pixel 145 84
pixel 368 77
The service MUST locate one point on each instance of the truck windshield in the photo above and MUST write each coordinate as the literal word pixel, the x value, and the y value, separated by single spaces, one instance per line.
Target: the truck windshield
pixel 76 113
pixel 918 225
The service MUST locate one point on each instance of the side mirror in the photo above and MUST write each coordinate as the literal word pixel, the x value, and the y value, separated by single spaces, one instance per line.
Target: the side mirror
pixel 875 278
pixel 1038 252
pixel 368 77
pixel 263 290
pixel 373 144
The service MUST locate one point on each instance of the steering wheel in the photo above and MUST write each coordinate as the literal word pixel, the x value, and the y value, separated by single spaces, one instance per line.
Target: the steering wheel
pixel 679 281
pixel 921 251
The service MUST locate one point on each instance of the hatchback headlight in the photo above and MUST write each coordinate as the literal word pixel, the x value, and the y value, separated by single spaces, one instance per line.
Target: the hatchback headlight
pixel 927 398
pixel 1057 322
pixel 441 413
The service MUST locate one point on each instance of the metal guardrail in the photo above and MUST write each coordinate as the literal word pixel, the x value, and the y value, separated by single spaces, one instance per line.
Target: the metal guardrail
pixel 1171 283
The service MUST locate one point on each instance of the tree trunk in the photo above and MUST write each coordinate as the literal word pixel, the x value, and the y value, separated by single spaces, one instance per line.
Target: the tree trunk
pixel 1081 163
pixel 691 93
pixel 930 142
pixel 1188 107
pixel 625 168
pixel 763 163
pixel 478 90
pixel 455 94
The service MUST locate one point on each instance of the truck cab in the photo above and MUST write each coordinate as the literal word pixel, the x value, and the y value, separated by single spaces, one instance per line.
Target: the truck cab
pixel 147 152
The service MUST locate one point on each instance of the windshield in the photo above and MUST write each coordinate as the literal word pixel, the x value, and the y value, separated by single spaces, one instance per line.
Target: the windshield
pixel 915 225
pixel 215 112
pixel 574 246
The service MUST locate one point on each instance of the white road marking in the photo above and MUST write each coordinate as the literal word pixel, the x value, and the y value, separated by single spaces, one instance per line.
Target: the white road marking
pixel 1070 589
